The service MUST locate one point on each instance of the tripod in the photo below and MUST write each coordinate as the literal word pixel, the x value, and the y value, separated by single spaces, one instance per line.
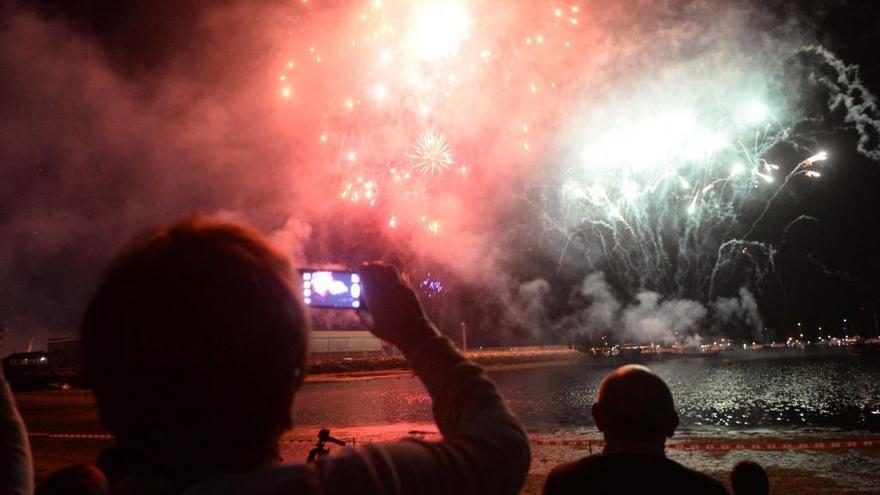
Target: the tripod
pixel 320 450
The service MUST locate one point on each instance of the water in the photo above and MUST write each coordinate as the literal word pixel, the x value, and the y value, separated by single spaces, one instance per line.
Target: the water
pixel 796 393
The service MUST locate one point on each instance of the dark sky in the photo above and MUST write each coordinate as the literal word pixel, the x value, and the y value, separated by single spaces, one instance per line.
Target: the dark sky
pixel 53 254
pixel 846 236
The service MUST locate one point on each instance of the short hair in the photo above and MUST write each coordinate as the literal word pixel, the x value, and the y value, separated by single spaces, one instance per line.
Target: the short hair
pixel 748 477
pixel 636 405
pixel 196 342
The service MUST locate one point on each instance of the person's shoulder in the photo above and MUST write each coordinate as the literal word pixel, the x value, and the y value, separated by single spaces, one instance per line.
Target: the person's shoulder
pixel 623 473
pixel 588 463
pixel 79 478
pixel 569 473
pixel 606 474
pixel 699 482
pixel 266 480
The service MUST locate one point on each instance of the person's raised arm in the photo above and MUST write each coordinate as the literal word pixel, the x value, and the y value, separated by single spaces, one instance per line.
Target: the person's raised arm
pixel 484 448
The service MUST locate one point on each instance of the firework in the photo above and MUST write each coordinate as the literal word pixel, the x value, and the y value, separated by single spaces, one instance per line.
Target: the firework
pixel 360 190
pixel 432 226
pixel 410 68
pixel 436 30
pixel 431 154
pixel 654 176
pixel 668 216
pixel 432 286
pixel 818 157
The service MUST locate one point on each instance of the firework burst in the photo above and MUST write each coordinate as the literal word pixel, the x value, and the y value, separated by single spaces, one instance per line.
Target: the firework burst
pixel 360 190
pixel 432 286
pixel 431 153
pixel 670 215
pixel 661 179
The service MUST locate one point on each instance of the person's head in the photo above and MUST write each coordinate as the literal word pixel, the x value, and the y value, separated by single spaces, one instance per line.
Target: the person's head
pixel 749 478
pixel 635 405
pixel 194 345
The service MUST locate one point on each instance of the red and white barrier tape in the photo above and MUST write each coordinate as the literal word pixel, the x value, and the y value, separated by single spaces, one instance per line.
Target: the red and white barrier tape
pixel 848 444
pixel 597 444
pixel 76 436
pixel 107 436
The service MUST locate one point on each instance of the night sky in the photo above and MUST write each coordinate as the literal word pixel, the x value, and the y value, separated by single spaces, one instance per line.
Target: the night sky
pixel 150 82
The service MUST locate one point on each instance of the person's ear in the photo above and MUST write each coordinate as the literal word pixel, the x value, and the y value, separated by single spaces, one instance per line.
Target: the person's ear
pixel 598 417
pixel 673 425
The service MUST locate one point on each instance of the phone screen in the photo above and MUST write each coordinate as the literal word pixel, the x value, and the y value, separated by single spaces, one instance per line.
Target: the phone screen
pixel 332 289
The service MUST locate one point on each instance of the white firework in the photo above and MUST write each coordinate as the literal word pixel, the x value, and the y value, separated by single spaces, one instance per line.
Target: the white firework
pixel 431 153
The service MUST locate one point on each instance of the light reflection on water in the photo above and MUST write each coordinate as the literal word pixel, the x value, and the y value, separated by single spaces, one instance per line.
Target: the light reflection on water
pixel 839 392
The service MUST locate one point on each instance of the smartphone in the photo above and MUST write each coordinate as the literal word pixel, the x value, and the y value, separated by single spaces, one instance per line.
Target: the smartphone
pixel 332 289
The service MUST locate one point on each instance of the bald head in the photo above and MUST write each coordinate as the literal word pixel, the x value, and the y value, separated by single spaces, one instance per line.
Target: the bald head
pixel 635 405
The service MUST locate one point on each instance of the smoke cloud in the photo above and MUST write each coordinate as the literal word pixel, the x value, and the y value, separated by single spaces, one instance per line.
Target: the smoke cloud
pixel 601 313
pixel 654 320
pixel 276 115
pixel 847 93
pixel 737 316
pixel 649 318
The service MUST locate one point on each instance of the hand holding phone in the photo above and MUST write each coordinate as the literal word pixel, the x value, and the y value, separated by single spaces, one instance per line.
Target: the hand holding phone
pixel 398 316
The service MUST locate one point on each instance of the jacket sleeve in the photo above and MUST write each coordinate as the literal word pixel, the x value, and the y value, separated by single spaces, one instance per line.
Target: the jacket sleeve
pixel 484 448
pixel 16 470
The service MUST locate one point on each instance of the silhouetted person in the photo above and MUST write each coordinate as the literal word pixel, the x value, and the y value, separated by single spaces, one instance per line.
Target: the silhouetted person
pixel 16 469
pixel 749 478
pixel 635 412
pixel 196 342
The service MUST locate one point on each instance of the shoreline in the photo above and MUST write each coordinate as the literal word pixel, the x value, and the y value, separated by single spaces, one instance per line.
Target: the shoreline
pixel 355 368
pixel 356 376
